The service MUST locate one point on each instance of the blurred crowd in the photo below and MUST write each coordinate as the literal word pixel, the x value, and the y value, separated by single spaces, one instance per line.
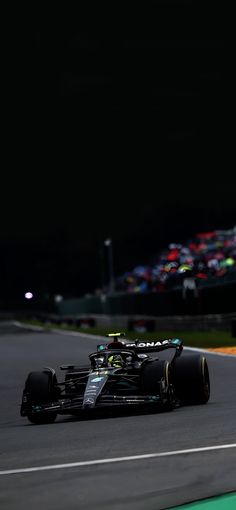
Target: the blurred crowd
pixel 209 257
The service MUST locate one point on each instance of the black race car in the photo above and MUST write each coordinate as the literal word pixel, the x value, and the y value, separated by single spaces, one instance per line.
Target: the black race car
pixel 121 374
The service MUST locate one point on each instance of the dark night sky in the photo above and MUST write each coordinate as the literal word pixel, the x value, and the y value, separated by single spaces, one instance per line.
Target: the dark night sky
pixel 117 126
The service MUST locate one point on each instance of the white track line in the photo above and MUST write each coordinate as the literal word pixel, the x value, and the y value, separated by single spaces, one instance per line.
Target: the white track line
pixel 60 331
pixel 25 326
pixel 114 460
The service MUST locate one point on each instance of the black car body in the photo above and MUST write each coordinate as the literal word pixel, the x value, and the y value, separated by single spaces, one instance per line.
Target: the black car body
pixel 139 380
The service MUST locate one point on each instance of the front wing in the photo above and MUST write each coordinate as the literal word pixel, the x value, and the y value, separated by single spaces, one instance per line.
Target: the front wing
pixel 77 405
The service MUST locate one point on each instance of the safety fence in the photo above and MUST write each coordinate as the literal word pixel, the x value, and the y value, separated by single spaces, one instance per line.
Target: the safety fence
pixel 209 300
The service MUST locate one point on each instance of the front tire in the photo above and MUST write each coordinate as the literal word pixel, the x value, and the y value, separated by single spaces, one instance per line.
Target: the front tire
pixel 157 380
pixel 41 389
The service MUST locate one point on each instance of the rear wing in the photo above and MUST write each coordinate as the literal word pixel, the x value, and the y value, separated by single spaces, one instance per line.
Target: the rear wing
pixel 155 345
pixel 145 345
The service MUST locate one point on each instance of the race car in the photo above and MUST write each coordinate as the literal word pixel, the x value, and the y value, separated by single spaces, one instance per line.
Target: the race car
pixel 121 375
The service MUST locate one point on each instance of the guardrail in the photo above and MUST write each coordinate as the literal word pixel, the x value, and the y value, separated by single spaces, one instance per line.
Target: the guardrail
pixel 137 323
pixel 210 300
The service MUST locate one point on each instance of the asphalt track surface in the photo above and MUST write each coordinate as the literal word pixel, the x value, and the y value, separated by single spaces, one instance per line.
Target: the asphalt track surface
pixel 156 461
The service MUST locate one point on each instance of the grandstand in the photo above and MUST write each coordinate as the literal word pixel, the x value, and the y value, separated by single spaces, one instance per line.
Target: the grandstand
pixel 208 260
pixel 209 256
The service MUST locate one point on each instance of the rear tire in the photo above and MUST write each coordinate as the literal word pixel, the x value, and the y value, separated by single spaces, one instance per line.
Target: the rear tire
pixel 154 375
pixel 191 379
pixel 41 389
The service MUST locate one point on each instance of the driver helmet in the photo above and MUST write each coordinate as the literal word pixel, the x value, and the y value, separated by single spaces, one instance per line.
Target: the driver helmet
pixel 99 362
pixel 115 360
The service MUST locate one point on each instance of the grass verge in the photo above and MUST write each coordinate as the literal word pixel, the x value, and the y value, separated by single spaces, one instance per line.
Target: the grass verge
pixel 201 339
